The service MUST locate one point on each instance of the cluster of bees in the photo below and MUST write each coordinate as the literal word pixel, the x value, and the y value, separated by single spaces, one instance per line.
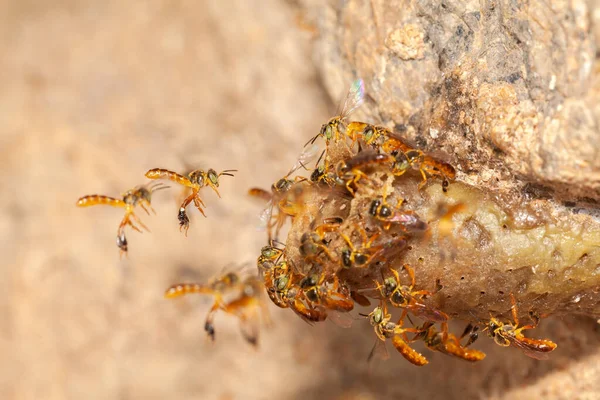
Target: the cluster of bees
pixel 350 230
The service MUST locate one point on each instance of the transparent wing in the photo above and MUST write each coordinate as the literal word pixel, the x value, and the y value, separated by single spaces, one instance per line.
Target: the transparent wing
pixel 379 351
pixel 343 320
pixel 354 98
pixel 308 154
pixel 250 325
pixel 527 349
pixel 265 217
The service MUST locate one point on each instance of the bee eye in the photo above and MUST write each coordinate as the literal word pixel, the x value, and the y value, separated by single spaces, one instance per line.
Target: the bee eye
pixel 374 206
pixel 361 259
pixel 281 282
pixel 346 258
pixel 368 134
pixel 328 132
pixel 385 211
pixel 377 315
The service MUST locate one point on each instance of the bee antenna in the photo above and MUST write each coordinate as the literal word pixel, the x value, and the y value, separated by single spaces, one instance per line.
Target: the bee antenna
pixel 277 242
pixel 312 140
pixel 319 160
pixel 302 165
pixel 156 186
pixel 363 315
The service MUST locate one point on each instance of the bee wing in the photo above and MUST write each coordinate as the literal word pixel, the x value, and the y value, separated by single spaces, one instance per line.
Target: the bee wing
pixel 528 349
pixel 308 154
pixel 427 313
pixel 410 221
pixel 354 98
pixel 265 217
pixel 378 351
pixel 360 299
pixel 250 324
pixel 343 320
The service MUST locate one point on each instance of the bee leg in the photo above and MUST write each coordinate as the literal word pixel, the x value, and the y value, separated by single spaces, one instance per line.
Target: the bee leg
pixel 199 203
pixel 209 325
pixel 215 189
pixel 127 222
pixel 138 221
pixel 121 242
pixel 411 274
pixel 143 207
pixel 424 179
pixel 145 204
pixel 513 309
pixel 184 221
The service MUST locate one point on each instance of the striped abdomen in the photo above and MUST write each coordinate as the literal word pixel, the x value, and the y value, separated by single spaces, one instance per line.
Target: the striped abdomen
pixel 454 348
pixel 160 173
pixel 408 352
pixel 437 167
pixel 186 288
pixel 96 199
pixel 260 193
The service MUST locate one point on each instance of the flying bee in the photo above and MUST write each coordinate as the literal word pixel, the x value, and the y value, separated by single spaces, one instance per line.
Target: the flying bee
pixel 286 196
pixel 447 344
pixel 380 320
pixel 509 334
pixel 233 295
pixel 313 243
pixel 406 297
pixel 195 180
pixel 408 221
pixel 362 256
pixel 335 128
pixel 140 195
pixel 425 164
pixel 350 172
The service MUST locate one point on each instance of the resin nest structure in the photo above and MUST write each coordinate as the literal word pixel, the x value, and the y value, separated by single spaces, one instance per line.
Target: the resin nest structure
pixel 383 224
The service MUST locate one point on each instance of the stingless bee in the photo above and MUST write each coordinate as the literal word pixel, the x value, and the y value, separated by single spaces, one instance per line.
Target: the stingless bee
pixel 140 195
pixel 335 128
pixel 385 329
pixel 406 297
pixel 195 180
pixel 510 334
pixel 447 344
pixel 242 297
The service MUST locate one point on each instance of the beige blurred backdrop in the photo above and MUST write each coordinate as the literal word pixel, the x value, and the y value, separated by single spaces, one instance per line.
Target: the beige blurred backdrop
pixel 93 94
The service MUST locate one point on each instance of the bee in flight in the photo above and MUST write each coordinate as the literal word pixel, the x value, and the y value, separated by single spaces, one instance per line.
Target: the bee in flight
pixel 286 196
pixel 195 180
pixel 140 195
pixel 232 294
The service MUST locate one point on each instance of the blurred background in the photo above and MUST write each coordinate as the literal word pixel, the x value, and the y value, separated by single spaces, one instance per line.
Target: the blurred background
pixel 96 93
